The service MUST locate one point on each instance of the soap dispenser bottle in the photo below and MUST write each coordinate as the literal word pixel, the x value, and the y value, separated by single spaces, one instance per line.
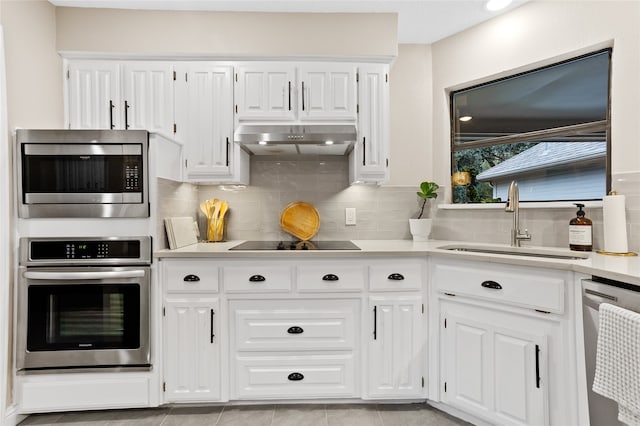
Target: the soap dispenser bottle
pixel 580 231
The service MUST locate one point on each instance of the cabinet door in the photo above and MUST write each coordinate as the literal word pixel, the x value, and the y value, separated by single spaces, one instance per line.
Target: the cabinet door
pixel 493 368
pixel 148 97
pixel 94 95
pixel 394 350
pixel 327 92
pixel 370 154
pixel 266 92
pixel 204 116
pixel 192 349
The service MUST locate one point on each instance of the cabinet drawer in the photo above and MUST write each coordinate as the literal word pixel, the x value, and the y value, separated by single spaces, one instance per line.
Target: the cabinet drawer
pixel 397 275
pixel 333 277
pixel 190 276
pixel 256 277
pixel 527 287
pixel 267 377
pixel 286 325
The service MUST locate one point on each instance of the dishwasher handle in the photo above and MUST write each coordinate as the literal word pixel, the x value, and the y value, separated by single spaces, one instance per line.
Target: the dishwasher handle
pixel 97 275
pixel 594 298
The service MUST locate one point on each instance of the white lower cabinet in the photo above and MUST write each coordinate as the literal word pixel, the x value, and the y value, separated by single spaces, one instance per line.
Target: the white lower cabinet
pixel 192 350
pixel 394 350
pixel 191 331
pixel 294 348
pixel 298 376
pixel 494 364
pixel 508 347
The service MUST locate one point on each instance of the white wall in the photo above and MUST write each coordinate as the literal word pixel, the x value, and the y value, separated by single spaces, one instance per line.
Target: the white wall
pixel 34 69
pixel 233 34
pixel 535 34
pixel 34 99
pixel 539 33
pixel 411 116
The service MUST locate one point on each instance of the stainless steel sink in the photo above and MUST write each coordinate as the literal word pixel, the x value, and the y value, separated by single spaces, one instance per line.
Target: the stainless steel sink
pixel 518 251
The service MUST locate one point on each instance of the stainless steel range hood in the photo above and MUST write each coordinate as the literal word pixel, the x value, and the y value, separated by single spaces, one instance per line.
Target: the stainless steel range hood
pixel 285 139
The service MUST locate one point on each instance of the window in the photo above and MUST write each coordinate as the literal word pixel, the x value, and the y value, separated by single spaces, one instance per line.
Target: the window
pixel 547 129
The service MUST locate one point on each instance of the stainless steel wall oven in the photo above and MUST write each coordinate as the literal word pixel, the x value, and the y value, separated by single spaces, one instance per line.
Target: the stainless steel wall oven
pixel 82 173
pixel 83 303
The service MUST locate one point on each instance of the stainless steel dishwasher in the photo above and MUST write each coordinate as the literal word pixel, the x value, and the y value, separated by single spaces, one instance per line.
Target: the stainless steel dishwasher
pixel 602 411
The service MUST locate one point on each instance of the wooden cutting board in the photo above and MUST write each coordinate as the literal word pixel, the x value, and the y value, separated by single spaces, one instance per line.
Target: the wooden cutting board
pixel 300 219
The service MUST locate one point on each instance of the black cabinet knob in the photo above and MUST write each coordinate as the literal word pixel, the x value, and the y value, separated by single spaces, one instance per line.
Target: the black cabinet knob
pixel 330 277
pixel 295 330
pixel 257 278
pixel 491 284
pixel 295 377
pixel 396 277
pixel 191 278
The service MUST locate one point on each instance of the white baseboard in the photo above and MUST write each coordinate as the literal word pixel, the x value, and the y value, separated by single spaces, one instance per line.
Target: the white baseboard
pixel 12 418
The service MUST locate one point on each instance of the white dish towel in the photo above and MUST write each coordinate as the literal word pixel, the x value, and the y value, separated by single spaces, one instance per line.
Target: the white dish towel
pixel 618 361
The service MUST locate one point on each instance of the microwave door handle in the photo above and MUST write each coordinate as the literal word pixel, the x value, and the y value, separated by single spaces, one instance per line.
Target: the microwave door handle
pixel 38 275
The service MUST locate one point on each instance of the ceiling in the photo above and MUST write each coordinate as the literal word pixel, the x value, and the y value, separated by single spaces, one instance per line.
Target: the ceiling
pixel 419 21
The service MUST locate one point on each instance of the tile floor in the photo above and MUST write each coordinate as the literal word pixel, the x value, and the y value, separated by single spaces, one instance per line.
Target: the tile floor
pixel 257 415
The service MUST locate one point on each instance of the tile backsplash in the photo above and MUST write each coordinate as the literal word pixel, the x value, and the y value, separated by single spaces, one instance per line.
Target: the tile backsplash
pixel 382 211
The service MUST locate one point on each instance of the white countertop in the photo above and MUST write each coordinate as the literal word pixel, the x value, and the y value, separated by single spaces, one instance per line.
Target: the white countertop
pixel 621 268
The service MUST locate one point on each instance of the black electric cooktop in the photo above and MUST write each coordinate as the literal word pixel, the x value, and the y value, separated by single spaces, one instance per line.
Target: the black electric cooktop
pixel 296 245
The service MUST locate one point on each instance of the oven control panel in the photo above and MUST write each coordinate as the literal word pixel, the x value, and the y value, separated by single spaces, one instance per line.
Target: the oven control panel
pixel 43 250
pixel 89 250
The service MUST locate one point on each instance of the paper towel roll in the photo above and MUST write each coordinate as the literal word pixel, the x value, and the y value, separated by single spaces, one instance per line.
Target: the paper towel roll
pixel 614 220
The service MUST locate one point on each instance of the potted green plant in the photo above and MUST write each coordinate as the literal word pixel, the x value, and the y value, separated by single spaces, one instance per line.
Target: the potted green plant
pixel 421 227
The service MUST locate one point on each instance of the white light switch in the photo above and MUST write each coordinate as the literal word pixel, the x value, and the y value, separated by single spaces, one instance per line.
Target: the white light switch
pixel 350 216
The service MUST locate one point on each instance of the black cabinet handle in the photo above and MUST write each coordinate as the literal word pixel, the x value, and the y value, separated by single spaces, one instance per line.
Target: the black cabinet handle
pixel 126 115
pixel 111 107
pixel 375 322
pixel 537 366
pixel 295 330
pixel 257 278
pixel 491 284
pixel 364 151
pixel 396 277
pixel 330 277
pixel 289 96
pixel 303 95
pixel 212 335
pixel 227 152
pixel 295 377
pixel 191 278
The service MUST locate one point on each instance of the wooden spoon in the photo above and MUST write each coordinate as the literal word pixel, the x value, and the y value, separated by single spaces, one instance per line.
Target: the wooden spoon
pixel 224 206
pixel 203 209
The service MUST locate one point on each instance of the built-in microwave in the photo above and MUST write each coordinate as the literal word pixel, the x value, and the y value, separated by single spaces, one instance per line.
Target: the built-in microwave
pixel 82 173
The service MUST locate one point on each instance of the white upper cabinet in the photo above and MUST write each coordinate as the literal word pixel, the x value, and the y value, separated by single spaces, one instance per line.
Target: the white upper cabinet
pixel 327 92
pixel 94 94
pixel 204 123
pixel 121 95
pixel 369 158
pixel 267 91
pixel 148 96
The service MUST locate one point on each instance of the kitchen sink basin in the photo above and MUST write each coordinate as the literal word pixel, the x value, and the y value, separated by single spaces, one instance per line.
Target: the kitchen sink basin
pixel 518 251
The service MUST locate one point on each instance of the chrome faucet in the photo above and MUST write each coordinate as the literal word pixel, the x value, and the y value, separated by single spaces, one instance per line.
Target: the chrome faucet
pixel 513 206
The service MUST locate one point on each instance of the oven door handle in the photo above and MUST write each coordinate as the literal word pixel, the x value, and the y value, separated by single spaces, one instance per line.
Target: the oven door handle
pixel 38 275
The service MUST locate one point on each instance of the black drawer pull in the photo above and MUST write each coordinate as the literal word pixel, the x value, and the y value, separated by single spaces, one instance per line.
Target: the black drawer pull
pixel 257 278
pixel 396 277
pixel 330 277
pixel 492 284
pixel 295 330
pixel 191 278
pixel 295 377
